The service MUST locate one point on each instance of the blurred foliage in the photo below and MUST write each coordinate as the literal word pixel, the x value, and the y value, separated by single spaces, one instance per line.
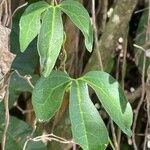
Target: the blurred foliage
pixel 18 133
pixel 140 40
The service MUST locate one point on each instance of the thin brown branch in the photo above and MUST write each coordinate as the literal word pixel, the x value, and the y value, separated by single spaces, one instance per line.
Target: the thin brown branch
pixel 139 104
pixel 6 105
pixel 2 1
pixel 114 135
pixel 48 137
pixel 98 53
pixel 116 27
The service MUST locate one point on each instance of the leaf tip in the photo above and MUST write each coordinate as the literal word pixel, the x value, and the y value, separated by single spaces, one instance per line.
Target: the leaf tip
pixel 128 132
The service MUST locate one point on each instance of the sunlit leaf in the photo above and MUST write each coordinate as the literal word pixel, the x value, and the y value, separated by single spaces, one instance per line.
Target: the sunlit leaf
pixel 30 23
pixel 80 17
pixel 112 98
pixel 88 128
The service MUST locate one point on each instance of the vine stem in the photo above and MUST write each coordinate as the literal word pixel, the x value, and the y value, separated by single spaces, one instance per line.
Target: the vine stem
pixel 1 3
pixel 114 135
pixel 147 84
pixel 6 105
pixel 111 144
pixel 95 36
pixel 49 137
pixel 139 104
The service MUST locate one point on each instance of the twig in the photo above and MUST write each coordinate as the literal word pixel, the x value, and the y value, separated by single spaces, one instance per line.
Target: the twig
pixel 118 137
pixel 141 10
pixel 25 144
pixel 139 104
pixel 112 146
pixel 123 71
pixel 147 84
pixel 9 20
pixel 74 147
pixel 7 116
pixel 1 3
pixel 19 8
pixel 117 68
pixel 95 35
pixel 22 110
pixel 142 95
pixel 56 2
pixel 145 137
pixel 5 15
pixel 49 137
pixel 26 77
pixel 139 47
pixel 114 135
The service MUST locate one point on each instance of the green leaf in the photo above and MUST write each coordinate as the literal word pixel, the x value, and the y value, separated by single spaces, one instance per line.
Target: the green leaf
pixel 50 39
pixel 14 35
pixel 30 23
pixel 112 98
pixel 48 94
pixel 88 128
pixel 80 17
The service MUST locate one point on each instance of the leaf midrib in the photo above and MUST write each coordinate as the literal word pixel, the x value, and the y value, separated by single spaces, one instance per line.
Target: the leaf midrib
pixel 80 108
pixel 52 29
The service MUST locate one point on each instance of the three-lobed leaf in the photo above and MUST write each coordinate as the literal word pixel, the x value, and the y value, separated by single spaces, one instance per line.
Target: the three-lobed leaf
pixel 48 94
pixel 88 128
pixel 30 23
pixel 80 17
pixel 50 32
pixel 112 98
pixel 50 39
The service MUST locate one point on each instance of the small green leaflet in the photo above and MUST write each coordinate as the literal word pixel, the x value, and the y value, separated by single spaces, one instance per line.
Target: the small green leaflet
pixel 88 128
pixel 80 17
pixel 30 23
pixel 48 94
pixel 112 98
pixel 50 39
